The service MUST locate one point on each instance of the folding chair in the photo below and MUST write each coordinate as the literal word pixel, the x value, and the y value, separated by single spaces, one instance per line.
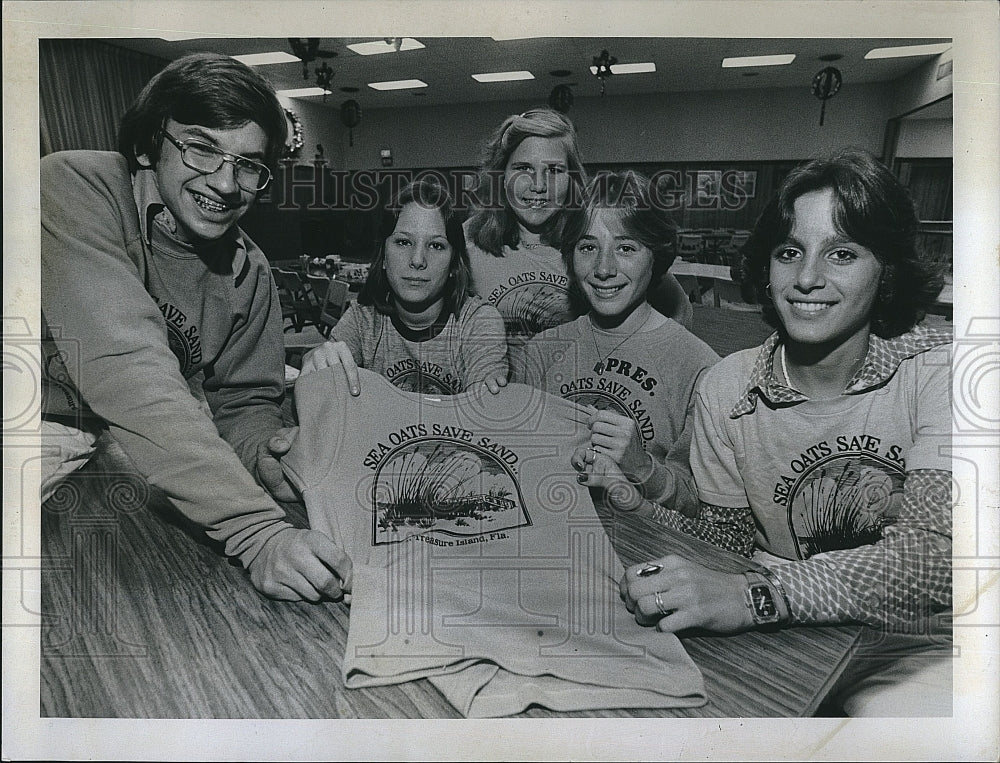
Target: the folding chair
pixel 732 250
pixel 301 299
pixel 333 306
pixel 318 285
pixel 286 300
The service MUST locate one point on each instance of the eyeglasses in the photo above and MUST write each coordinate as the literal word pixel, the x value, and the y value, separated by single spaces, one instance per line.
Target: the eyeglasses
pixel 250 175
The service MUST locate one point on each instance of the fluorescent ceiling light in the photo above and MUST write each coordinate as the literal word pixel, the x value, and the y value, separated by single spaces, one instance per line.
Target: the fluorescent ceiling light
pixel 381 46
pixel 303 92
pixel 261 59
pixel 501 38
pixel 778 60
pixel 502 76
pixel 908 50
pixel 628 68
pixel 399 84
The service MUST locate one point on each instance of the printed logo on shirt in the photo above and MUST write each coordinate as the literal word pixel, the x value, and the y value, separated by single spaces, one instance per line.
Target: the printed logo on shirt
pixel 606 392
pixel 443 485
pixel 183 338
pixel 532 302
pixel 422 376
pixel 843 493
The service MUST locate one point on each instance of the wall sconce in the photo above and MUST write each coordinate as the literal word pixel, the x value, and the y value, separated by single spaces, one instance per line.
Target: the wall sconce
pixel 386 154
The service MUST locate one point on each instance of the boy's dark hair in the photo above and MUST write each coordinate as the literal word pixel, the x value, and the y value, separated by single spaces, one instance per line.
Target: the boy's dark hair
pixel 429 194
pixel 628 193
pixel 872 208
pixel 205 89
pixel 494 223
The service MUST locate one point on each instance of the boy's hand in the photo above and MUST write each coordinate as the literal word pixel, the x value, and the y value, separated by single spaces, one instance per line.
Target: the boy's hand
pixel 301 564
pixel 269 473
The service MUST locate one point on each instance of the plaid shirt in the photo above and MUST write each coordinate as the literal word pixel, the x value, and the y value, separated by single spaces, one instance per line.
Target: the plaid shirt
pixel 895 583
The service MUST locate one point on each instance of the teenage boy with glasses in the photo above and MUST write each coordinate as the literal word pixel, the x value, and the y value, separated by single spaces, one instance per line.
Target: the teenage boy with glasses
pixel 149 284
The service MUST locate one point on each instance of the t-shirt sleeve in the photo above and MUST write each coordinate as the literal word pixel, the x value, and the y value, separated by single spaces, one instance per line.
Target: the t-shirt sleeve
pixel 527 363
pixel 668 297
pixel 932 419
pixel 321 400
pixel 95 304
pixel 483 346
pixel 348 330
pixel 713 454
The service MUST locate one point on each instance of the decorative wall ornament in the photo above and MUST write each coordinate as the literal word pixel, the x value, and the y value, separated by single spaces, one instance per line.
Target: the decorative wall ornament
pixel 294 142
pixel 561 98
pixel 350 115
pixel 602 65
pixel 324 77
pixel 825 85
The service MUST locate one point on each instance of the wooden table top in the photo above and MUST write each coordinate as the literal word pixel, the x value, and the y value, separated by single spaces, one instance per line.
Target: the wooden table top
pixel 144 619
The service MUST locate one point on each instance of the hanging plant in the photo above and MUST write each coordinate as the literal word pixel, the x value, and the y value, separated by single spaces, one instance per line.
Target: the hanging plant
pixel 350 115
pixel 295 141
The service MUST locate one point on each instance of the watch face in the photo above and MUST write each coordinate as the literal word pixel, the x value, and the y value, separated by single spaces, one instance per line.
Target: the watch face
pixel 762 604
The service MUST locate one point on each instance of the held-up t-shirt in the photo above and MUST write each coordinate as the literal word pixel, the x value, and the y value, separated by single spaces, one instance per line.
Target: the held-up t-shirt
pixel 479 560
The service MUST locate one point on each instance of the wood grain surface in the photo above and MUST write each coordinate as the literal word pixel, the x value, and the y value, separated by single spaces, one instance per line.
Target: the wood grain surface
pixel 143 618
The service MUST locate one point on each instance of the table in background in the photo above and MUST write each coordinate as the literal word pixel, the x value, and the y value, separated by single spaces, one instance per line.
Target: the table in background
pixel 140 619
pixel 727 331
pixel 714 243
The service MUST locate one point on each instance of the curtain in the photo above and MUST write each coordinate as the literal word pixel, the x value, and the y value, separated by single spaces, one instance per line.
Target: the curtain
pixel 84 88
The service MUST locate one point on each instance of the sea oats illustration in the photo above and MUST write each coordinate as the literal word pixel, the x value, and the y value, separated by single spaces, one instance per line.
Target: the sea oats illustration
pixel 444 486
pixel 845 506
pixel 534 309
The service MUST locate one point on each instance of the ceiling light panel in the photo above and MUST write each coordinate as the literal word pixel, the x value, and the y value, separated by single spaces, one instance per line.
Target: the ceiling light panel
pixel 503 76
pixel 376 47
pixel 908 50
pixel 262 59
pixel 628 68
pixel 399 84
pixel 303 92
pixel 775 60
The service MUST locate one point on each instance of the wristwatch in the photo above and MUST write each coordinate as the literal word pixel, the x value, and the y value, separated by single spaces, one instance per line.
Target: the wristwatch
pixel 763 601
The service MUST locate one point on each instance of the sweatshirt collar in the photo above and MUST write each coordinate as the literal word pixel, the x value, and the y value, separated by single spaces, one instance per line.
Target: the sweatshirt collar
pixel 152 211
pixel 881 363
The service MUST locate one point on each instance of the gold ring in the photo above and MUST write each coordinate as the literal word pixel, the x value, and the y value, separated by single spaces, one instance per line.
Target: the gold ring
pixel 659 604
